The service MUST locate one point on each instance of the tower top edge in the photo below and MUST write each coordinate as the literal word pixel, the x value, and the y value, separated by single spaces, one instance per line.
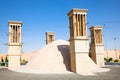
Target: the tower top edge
pixel 96 27
pixel 14 22
pixel 80 9
pixel 77 10
pixel 49 33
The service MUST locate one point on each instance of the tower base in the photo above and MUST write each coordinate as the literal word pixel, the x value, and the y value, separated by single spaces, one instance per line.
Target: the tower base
pixel 14 54
pixel 80 61
pixel 97 54
pixel 14 61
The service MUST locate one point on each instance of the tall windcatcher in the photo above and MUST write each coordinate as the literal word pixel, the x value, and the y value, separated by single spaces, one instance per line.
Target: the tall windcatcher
pixel 96 46
pixel 14 44
pixel 79 46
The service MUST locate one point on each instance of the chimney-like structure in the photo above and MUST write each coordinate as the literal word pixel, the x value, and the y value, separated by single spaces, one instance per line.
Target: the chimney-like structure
pixel 79 46
pixel 49 37
pixel 14 44
pixel 96 46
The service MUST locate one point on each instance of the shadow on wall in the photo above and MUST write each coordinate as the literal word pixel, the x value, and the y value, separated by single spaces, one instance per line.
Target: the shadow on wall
pixel 65 52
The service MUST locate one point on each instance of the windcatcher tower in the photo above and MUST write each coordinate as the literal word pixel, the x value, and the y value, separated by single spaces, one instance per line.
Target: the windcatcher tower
pixel 96 46
pixel 49 37
pixel 14 45
pixel 79 46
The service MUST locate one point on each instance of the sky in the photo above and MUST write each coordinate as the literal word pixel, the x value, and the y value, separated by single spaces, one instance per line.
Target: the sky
pixel 41 16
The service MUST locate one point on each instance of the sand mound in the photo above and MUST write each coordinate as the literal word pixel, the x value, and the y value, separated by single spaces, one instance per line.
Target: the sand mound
pixel 53 57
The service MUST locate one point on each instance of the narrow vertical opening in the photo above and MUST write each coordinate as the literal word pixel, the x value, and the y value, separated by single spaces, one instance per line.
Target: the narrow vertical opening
pixel 16 34
pixel 76 24
pixel 81 25
pixel 13 33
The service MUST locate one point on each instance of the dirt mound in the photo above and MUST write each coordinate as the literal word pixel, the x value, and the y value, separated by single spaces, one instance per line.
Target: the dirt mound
pixel 53 57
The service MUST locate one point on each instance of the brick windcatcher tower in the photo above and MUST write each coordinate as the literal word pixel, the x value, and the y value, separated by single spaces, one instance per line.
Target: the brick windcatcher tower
pixel 97 46
pixel 79 46
pixel 49 37
pixel 14 44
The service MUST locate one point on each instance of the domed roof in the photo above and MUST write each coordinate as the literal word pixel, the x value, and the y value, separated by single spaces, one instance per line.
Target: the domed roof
pixel 53 57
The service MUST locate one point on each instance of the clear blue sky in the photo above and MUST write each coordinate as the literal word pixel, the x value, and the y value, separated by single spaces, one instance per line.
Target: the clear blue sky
pixel 40 16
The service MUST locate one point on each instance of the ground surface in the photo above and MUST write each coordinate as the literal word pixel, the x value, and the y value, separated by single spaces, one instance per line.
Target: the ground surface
pixel 113 74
